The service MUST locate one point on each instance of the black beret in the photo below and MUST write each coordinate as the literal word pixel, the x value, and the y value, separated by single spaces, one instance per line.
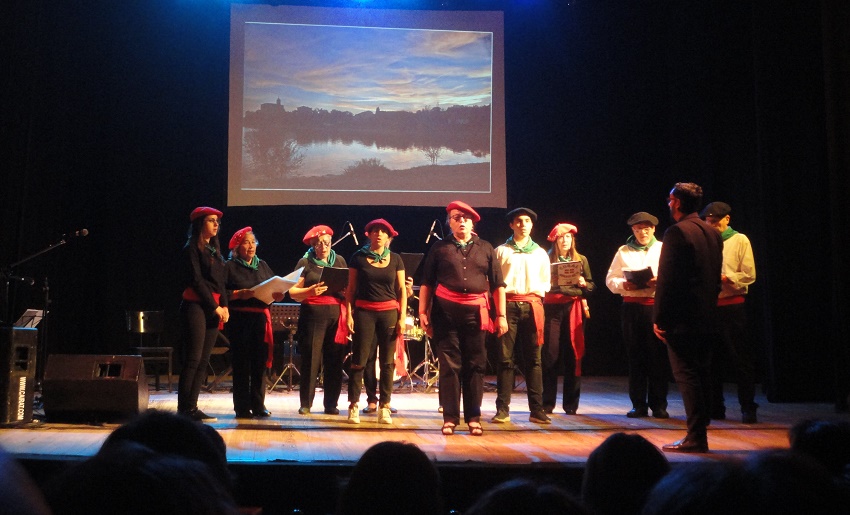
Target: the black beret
pixel 521 211
pixel 716 209
pixel 641 217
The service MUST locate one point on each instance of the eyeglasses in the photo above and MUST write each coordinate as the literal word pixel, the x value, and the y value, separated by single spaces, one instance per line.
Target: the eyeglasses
pixel 321 243
pixel 462 216
pixel 213 221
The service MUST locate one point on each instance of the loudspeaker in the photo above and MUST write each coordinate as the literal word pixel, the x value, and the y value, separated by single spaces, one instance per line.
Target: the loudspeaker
pixel 92 388
pixel 18 349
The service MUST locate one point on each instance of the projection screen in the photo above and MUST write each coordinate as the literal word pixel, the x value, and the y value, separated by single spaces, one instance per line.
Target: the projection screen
pixel 365 107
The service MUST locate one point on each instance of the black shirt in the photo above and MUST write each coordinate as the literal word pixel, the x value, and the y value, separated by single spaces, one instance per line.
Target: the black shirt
pixel 474 269
pixel 205 274
pixel 313 273
pixel 376 284
pixel 240 277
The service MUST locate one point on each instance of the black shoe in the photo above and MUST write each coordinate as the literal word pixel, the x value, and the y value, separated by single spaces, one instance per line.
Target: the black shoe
pixel 749 417
pixel 570 411
pixel 718 414
pixel 539 418
pixel 262 413
pixel 331 411
pixel 393 410
pixel 370 409
pixel 688 444
pixel 244 414
pixel 638 413
pixel 548 409
pixel 199 416
pixel 660 413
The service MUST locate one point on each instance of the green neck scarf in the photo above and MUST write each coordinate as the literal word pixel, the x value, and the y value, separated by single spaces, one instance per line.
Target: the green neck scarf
pixel 311 256
pixel 633 243
pixel 211 249
pixel 374 255
pixel 253 265
pixel 564 259
pixel 728 233
pixel 528 249
pixel 459 244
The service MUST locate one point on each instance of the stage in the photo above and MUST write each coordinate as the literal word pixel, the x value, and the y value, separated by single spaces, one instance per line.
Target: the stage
pixel 318 450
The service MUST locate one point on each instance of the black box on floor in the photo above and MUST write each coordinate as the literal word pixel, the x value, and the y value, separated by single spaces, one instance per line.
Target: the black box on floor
pixel 18 349
pixel 93 388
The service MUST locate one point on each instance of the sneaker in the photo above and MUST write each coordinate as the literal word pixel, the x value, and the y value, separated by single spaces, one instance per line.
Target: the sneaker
pixel 501 417
pixel 384 416
pixel 539 418
pixel 354 415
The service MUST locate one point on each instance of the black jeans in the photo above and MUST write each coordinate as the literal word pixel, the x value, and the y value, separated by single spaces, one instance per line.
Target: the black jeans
pixel 522 330
pixel 199 334
pixel 371 329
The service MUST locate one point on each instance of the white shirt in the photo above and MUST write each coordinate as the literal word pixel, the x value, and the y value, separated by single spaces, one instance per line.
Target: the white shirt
pixel 738 265
pixel 524 274
pixel 633 259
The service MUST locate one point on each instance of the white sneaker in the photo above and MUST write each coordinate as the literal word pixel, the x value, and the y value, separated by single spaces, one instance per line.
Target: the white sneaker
pixel 354 415
pixel 384 416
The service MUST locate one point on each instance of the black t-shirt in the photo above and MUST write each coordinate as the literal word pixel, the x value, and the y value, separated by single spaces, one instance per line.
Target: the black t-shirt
pixel 313 273
pixel 376 284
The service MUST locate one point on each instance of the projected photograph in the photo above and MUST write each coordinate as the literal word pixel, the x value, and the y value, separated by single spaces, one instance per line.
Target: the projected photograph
pixel 352 109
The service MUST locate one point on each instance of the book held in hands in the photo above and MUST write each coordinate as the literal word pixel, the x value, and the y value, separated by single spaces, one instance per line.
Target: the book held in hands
pixel 639 277
pixel 566 273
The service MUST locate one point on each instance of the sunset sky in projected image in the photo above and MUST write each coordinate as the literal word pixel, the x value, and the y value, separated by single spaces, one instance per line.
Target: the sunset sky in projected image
pixel 360 68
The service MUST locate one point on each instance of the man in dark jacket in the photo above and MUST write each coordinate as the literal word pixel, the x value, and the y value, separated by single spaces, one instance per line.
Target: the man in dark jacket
pixel 685 307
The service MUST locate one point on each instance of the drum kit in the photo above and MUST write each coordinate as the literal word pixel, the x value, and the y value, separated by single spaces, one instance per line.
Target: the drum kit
pixel 427 372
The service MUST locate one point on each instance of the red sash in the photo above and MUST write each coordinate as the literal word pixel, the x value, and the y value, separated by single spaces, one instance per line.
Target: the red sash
pixel 269 336
pixel 482 300
pixel 190 295
pixel 729 301
pixel 576 324
pixel 643 301
pixel 536 308
pixel 341 336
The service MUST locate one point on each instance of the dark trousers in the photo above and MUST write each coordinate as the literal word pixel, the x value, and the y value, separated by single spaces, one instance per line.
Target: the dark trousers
pixel 558 357
pixel 462 358
pixel 373 329
pixel 248 353
pixel 648 362
pixel 521 337
pixel 735 349
pixel 690 359
pixel 199 335
pixel 370 378
pixel 316 330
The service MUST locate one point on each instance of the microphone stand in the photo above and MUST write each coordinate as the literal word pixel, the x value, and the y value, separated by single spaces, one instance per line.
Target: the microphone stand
pixel 41 352
pixel 344 236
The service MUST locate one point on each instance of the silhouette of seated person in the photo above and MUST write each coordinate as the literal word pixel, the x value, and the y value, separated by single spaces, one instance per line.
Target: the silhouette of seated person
pixel 169 433
pixel 827 441
pixel 129 478
pixel 620 473
pixel 404 479
pixel 19 494
pixel 526 496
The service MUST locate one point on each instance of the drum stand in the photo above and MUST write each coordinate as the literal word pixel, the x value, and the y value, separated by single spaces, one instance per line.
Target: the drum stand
pixel 430 369
pixel 290 366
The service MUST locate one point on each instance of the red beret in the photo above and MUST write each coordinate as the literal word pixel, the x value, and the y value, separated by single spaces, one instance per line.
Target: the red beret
pixel 315 232
pixel 560 230
pixel 238 236
pixel 463 206
pixel 203 211
pixel 380 221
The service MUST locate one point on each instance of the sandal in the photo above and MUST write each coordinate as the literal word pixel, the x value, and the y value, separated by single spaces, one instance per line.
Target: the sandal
pixel 448 428
pixel 475 429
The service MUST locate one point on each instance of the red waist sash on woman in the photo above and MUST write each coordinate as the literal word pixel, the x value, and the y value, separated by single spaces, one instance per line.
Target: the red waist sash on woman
pixel 190 295
pixel 341 336
pixel 387 305
pixel 536 308
pixel 269 333
pixel 729 301
pixel 576 323
pixel 482 300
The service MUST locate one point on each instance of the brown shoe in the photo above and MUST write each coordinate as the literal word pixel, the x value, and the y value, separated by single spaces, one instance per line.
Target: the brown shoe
pixel 690 444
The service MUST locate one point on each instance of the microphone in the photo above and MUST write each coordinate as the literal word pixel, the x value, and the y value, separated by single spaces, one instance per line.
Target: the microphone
pixel 76 234
pixel 353 234
pixel 430 231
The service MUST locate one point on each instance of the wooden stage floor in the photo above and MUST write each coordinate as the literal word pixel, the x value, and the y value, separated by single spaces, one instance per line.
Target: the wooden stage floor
pixel 290 438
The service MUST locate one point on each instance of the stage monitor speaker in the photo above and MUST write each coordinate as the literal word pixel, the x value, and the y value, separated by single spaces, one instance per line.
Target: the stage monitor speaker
pixel 18 350
pixel 94 388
